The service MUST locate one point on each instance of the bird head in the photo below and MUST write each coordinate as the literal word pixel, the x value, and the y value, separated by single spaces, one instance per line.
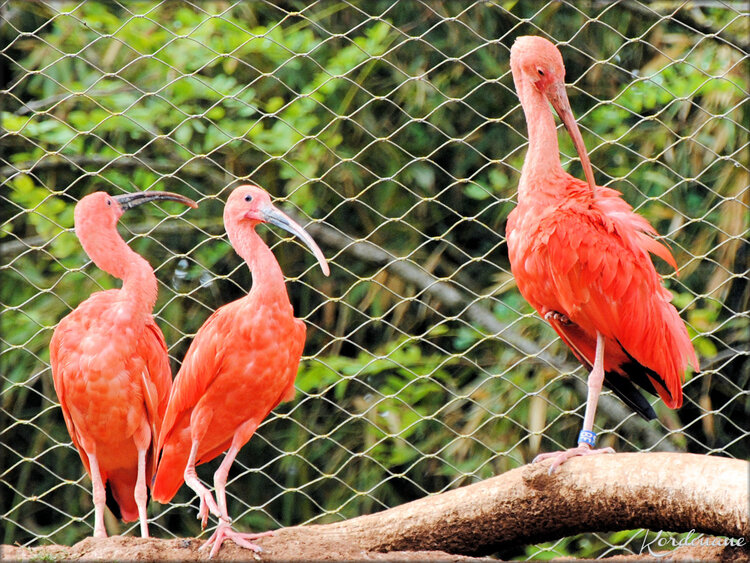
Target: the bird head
pixel 98 211
pixel 252 205
pixel 96 217
pixel 536 63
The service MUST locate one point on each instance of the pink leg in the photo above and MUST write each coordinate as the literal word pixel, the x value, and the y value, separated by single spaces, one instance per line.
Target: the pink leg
pixel 140 493
pixel 100 497
pixel 142 440
pixel 220 480
pixel 595 381
pixel 192 481
pixel 224 529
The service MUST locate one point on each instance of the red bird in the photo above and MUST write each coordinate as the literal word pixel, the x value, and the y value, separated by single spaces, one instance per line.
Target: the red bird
pixel 580 256
pixel 110 366
pixel 241 364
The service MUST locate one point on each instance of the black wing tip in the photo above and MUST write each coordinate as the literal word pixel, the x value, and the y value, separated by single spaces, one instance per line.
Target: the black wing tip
pixel 112 502
pixel 629 394
pixel 634 373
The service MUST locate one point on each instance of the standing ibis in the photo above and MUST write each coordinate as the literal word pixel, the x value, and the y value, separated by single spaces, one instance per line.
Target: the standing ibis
pixel 110 365
pixel 580 257
pixel 241 364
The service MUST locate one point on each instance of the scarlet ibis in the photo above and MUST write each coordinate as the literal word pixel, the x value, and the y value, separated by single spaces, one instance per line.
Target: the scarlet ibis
pixel 580 257
pixel 241 364
pixel 110 365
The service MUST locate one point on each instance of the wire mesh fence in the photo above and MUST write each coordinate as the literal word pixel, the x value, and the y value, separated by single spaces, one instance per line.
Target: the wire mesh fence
pixel 392 130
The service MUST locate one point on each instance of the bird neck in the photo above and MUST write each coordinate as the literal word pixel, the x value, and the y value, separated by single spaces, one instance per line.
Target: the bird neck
pixel 265 269
pixel 541 169
pixel 110 253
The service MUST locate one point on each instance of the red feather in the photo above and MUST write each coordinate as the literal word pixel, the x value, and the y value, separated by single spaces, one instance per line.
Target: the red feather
pixel 596 252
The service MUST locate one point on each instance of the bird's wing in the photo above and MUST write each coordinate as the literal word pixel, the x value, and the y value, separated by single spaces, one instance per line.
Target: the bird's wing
pixel 199 366
pixel 159 372
pixel 598 260
pixel 156 381
pixel 297 344
pixel 59 364
pixel 209 355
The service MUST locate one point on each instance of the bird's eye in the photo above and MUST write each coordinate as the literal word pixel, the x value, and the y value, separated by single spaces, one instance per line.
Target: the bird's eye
pixel 248 198
pixel 109 202
pixel 540 71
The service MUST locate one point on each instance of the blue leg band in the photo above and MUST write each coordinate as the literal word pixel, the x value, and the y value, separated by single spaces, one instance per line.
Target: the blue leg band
pixel 587 437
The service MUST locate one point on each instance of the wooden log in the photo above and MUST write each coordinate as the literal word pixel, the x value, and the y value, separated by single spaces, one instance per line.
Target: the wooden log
pixel 667 491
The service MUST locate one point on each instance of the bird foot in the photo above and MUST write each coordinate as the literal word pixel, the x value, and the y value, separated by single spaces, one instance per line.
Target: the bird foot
pixel 208 505
pixel 558 317
pixel 224 531
pixel 563 456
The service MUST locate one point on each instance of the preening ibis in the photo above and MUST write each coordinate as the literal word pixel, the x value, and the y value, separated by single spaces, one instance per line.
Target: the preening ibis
pixel 580 257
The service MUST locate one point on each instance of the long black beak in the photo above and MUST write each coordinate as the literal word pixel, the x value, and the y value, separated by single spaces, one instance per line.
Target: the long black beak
pixel 280 219
pixel 557 96
pixel 128 201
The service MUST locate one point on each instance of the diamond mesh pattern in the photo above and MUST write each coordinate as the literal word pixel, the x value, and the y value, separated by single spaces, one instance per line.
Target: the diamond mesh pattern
pixel 393 132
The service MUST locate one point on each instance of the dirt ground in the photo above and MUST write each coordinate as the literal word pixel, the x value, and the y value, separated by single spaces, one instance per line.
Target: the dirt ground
pixel 126 548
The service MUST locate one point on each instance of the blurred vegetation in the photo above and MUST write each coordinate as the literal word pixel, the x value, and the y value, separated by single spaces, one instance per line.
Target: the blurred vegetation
pixel 388 123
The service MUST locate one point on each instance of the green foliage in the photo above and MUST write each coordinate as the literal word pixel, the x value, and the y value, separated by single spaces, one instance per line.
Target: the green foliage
pixel 394 124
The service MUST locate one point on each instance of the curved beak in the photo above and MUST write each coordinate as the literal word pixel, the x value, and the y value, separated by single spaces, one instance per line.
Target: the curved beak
pixel 128 201
pixel 557 96
pixel 276 217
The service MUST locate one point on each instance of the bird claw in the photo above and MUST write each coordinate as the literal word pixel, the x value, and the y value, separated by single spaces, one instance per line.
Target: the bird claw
pixel 208 504
pixel 224 531
pixel 565 455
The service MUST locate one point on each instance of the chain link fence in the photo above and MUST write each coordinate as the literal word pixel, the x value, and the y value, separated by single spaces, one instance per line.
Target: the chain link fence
pixel 393 132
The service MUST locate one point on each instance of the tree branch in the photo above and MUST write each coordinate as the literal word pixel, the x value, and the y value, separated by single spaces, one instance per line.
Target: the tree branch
pixel 13 248
pixel 168 168
pixel 660 491
pixel 449 295
pixel 675 12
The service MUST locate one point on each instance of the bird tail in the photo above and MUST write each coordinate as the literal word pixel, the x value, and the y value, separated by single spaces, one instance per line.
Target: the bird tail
pixel 626 389
pixel 170 472
pixel 120 490
pixel 112 502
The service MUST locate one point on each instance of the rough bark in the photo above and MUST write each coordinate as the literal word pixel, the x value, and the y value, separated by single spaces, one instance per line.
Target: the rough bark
pixel 659 491
pixel 469 307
